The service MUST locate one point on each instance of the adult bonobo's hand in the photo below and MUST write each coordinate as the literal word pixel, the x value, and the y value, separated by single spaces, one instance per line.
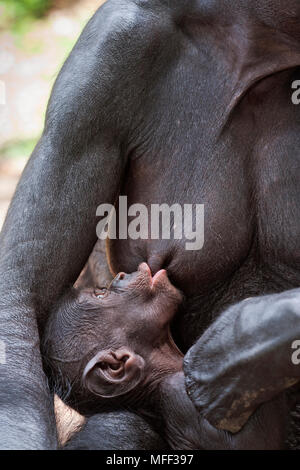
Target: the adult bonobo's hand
pixel 244 359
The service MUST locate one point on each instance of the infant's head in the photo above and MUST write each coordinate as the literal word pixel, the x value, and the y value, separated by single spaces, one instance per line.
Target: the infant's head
pixel 112 346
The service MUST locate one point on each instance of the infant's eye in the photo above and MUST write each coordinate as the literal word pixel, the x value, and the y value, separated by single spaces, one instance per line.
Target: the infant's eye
pixel 101 293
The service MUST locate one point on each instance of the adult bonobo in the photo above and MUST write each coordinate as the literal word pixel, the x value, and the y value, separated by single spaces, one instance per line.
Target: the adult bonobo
pixel 183 102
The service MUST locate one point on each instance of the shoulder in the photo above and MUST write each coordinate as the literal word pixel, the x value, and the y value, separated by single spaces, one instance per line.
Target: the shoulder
pixel 111 58
pixel 130 25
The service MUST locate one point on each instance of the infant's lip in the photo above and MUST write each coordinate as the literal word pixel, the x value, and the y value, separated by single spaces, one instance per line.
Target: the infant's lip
pixel 144 267
pixel 160 275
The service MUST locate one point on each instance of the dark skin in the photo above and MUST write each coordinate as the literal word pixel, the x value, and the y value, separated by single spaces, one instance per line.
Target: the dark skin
pixel 116 343
pixel 108 342
pixel 99 433
pixel 166 102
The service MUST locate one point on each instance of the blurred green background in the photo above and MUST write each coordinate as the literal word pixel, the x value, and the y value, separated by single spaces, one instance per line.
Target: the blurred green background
pixel 35 38
pixel 15 12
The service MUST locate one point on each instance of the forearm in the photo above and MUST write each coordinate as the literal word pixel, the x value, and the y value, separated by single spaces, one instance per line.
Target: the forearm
pixel 26 406
pixel 245 359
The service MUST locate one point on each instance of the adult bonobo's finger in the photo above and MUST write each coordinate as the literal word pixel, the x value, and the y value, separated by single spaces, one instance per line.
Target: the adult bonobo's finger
pixel 243 360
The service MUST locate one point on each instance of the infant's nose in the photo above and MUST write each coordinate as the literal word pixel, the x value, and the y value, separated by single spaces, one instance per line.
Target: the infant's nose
pixel 121 279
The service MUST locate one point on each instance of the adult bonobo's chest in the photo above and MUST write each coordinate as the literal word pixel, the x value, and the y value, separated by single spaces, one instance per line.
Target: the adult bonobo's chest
pixel 228 137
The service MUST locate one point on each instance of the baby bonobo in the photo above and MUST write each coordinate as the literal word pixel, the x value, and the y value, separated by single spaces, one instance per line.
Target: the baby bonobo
pixel 112 348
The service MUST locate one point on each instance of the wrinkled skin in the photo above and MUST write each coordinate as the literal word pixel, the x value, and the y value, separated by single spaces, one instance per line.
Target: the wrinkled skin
pixel 165 102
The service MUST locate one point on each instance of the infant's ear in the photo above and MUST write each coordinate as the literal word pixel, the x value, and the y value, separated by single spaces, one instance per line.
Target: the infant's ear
pixel 113 373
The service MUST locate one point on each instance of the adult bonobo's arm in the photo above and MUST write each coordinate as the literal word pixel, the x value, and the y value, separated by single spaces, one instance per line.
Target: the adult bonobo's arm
pixel 51 226
pixel 244 359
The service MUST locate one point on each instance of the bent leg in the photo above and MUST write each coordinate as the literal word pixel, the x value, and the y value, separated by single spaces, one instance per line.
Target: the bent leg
pixel 120 430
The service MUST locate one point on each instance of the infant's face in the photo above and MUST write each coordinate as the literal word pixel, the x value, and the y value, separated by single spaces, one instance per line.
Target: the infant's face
pixel 134 308
pixel 114 330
